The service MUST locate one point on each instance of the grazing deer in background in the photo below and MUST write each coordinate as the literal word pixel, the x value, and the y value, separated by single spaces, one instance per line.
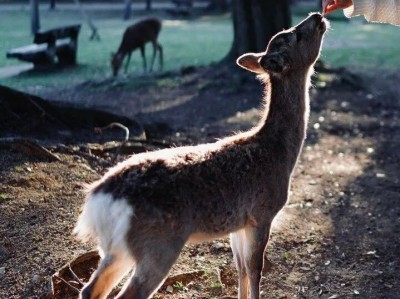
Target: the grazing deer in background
pixel 145 209
pixel 136 36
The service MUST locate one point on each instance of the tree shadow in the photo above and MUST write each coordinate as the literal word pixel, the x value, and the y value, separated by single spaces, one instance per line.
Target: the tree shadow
pixel 201 102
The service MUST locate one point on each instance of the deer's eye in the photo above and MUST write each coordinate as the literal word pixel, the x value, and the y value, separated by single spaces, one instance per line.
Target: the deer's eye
pixel 299 36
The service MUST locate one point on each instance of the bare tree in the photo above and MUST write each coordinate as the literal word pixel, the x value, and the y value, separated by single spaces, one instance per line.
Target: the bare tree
pixel 255 22
pixel 95 34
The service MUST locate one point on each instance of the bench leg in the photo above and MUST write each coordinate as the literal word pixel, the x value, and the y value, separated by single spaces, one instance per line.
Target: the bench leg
pixel 66 56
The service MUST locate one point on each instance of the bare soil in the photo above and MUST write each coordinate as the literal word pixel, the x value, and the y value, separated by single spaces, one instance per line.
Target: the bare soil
pixel 338 236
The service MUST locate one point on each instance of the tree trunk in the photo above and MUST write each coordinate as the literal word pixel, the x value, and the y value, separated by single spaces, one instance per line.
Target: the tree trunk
pixel 52 4
pixel 35 18
pixel 255 22
pixel 148 5
pixel 218 5
pixel 127 10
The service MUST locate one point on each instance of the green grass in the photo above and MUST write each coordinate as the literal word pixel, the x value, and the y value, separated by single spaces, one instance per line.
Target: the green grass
pixel 185 42
pixel 362 45
pixel 3 197
pixel 179 286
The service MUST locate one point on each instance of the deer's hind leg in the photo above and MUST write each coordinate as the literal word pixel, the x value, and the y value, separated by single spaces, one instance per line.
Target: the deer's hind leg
pixel 154 43
pixel 160 50
pixel 154 261
pixel 110 271
pixel 157 47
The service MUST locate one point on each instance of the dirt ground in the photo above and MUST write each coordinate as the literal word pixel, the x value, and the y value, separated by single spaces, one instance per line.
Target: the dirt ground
pixel 338 237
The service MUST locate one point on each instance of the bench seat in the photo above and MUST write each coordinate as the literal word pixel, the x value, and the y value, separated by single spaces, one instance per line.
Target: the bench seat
pixel 39 53
pixel 52 46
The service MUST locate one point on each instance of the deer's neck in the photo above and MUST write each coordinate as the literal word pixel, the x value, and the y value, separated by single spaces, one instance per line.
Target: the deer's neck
pixel 283 126
pixel 122 51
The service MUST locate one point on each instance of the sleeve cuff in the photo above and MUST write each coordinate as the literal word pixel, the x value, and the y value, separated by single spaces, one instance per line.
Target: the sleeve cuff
pixel 358 8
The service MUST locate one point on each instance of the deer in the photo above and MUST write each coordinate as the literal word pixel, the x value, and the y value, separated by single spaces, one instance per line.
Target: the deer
pixel 136 36
pixel 145 209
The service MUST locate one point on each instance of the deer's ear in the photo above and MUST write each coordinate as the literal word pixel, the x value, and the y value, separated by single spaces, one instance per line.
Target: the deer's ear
pixel 251 62
pixel 274 63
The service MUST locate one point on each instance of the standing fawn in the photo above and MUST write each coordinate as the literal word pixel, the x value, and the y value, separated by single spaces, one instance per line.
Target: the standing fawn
pixel 145 209
pixel 136 36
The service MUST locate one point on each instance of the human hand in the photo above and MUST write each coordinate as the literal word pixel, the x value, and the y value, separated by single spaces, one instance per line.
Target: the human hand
pixel 329 6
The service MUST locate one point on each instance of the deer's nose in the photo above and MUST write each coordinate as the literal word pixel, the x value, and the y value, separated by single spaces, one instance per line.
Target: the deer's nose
pixel 318 18
pixel 320 22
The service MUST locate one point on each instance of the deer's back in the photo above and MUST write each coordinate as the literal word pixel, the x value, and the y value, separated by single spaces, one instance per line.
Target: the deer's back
pixel 216 189
pixel 140 33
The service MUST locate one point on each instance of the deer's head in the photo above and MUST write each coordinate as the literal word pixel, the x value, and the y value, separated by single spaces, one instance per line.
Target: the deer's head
pixel 116 62
pixel 290 50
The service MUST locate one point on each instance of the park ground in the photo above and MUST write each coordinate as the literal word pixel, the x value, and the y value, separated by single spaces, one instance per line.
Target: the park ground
pixel 338 236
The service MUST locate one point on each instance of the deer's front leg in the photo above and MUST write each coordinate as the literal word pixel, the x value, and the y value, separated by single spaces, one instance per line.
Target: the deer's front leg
pixel 127 62
pixel 248 246
pixel 238 240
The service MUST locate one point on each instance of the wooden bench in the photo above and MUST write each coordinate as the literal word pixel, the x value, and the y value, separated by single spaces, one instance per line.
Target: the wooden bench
pixel 53 46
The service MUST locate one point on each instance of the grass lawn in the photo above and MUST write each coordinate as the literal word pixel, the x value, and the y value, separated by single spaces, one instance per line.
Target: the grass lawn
pixel 185 42
pixel 358 44
pixel 196 42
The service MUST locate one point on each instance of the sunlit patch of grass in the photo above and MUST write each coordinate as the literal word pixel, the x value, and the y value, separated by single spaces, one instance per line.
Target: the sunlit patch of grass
pixel 179 286
pixel 18 168
pixel 216 284
pixel 167 82
pixel 287 256
pixel 81 175
pixel 3 197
